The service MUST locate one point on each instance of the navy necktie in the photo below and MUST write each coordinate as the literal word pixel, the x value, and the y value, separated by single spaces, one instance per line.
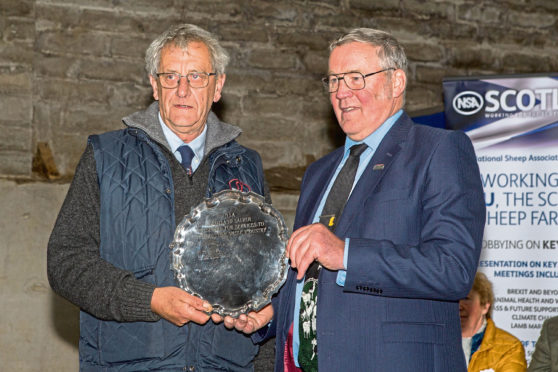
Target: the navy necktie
pixel 187 156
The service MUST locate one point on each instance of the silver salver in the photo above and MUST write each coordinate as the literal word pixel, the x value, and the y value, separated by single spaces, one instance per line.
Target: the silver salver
pixel 230 251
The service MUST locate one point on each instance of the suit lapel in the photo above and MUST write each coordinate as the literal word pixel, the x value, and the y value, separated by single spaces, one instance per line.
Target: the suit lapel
pixel 318 180
pixel 375 170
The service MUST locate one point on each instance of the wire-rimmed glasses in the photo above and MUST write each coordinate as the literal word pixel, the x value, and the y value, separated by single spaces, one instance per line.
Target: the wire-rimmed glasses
pixel 195 79
pixel 354 80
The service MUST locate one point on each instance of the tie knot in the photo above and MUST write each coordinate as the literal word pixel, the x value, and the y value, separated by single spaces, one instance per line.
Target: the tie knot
pixel 357 150
pixel 187 156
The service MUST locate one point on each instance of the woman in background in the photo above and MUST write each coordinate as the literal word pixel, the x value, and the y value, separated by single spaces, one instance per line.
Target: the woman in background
pixel 486 347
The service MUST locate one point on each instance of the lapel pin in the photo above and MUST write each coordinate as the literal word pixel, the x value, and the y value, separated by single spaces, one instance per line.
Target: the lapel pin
pixel 378 167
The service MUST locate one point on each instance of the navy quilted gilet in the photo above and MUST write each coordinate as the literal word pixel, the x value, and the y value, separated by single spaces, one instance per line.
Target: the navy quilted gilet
pixel 137 224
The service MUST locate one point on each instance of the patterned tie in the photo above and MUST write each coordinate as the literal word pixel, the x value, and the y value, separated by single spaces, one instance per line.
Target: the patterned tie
pixel 187 156
pixel 333 208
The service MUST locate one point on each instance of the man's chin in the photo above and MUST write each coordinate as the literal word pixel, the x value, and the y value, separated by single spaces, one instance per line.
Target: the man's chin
pixel 184 125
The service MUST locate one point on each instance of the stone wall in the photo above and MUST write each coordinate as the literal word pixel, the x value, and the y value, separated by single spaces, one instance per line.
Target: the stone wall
pixel 74 67
pixel 69 68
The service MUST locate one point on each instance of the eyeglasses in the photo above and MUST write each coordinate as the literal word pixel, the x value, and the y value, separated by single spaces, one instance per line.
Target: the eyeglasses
pixel 195 79
pixel 354 80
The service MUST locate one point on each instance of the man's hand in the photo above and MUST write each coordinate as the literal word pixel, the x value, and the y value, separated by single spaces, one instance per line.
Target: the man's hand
pixel 315 242
pixel 247 323
pixel 179 307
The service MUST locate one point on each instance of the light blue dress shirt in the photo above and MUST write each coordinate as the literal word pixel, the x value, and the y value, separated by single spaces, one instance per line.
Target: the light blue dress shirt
pixel 197 145
pixel 373 141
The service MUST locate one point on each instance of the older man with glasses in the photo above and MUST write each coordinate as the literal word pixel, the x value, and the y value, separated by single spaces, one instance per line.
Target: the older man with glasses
pixel 109 250
pixel 388 232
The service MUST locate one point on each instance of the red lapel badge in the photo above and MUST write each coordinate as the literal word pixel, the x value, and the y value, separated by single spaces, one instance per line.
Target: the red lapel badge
pixel 237 184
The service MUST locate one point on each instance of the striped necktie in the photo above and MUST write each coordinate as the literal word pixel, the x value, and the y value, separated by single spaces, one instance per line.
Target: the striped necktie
pixel 333 208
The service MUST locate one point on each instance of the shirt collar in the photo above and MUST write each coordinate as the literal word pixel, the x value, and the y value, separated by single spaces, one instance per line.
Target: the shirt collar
pixel 373 140
pixel 197 144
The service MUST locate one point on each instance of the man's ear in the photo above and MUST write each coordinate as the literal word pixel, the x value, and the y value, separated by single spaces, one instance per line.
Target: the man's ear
pixel 399 81
pixel 155 87
pixel 219 87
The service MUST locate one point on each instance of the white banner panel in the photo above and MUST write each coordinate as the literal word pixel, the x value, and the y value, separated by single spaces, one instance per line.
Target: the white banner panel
pixel 513 123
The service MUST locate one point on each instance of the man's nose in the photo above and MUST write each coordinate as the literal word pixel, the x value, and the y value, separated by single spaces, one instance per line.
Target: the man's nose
pixel 183 87
pixel 343 90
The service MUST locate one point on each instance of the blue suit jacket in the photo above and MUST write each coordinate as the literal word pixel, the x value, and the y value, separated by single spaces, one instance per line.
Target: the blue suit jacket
pixel 415 221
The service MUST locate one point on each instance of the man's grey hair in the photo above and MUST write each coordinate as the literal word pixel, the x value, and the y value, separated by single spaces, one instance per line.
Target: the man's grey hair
pixel 180 36
pixel 391 53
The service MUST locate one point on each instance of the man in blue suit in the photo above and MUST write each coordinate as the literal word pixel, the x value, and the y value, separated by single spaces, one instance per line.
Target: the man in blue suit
pixel 404 249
